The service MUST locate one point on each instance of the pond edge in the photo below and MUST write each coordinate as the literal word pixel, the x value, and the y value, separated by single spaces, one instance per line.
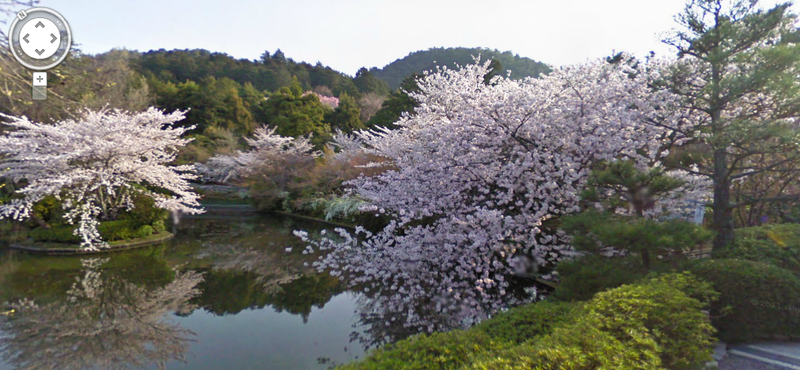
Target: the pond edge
pixel 113 246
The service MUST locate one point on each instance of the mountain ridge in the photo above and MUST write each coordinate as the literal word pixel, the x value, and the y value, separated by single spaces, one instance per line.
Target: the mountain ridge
pixel 426 60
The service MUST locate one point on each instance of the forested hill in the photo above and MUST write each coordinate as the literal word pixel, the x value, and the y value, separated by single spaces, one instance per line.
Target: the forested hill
pixel 269 73
pixel 425 60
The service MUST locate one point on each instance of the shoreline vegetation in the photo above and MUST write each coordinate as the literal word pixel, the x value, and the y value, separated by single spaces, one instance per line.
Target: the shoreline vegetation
pixel 54 248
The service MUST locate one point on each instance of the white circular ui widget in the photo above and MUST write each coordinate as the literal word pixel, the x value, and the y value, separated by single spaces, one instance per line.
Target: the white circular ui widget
pixel 39 38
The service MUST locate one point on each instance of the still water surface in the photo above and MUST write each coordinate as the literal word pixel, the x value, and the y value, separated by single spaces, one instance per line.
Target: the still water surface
pixel 226 293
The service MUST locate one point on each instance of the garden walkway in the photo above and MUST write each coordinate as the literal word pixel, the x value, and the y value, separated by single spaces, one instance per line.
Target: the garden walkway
pixel 762 356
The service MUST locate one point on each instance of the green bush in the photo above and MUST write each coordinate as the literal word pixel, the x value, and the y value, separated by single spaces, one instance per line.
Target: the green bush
pixel 109 231
pixel 757 300
pixel 58 234
pixel 450 350
pixel 144 231
pixel 654 324
pixel 48 210
pixel 144 212
pixel 159 226
pixel 650 325
pixel 523 323
pixel 117 230
pixel 583 277
pixel 776 244
pixel 582 347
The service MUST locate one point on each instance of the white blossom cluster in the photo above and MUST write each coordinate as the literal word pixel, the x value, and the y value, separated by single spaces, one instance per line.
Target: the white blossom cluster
pixel 476 172
pixel 94 164
pixel 266 147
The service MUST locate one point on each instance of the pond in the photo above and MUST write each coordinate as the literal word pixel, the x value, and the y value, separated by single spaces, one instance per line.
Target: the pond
pixel 227 293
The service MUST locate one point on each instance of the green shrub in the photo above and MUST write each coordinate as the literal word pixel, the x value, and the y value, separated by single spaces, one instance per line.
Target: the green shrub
pixel 523 323
pixel 654 324
pixel 450 350
pixel 757 300
pixel 581 347
pixel 144 231
pixel 649 325
pixel 583 277
pixel 109 231
pixel 158 226
pixel 48 210
pixel 659 309
pixel 144 212
pixel 776 244
pixel 117 230
pixel 58 234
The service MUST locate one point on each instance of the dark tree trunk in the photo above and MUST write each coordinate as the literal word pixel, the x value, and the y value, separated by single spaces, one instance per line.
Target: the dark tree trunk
pixel 723 213
pixel 640 202
pixel 646 258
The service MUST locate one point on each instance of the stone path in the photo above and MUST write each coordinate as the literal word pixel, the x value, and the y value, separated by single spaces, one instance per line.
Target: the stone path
pixel 762 356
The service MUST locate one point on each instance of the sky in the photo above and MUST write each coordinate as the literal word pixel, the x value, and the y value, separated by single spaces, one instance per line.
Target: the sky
pixel 349 34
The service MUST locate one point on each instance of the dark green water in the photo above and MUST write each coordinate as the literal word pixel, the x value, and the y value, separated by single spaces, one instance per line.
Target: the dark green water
pixel 224 294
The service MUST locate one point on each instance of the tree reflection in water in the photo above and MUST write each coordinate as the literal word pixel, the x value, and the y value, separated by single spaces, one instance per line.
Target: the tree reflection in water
pixel 264 276
pixel 105 322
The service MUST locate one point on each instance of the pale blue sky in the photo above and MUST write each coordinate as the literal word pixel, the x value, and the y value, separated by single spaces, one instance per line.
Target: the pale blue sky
pixel 349 34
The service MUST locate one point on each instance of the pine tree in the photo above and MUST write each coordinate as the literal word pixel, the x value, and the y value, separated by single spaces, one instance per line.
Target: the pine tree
pixel 737 74
pixel 346 116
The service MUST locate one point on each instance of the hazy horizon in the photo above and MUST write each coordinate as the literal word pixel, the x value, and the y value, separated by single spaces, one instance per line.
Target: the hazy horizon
pixel 349 34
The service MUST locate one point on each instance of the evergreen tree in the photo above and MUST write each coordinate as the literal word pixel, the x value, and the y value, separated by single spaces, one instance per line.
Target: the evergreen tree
pixel 366 82
pixel 399 102
pixel 346 116
pixel 738 75
pixel 296 114
pixel 621 185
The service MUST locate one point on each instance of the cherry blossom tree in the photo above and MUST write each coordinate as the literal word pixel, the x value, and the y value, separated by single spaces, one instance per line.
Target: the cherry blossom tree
pixel 477 175
pixel 266 148
pixel 95 164
pixel 329 101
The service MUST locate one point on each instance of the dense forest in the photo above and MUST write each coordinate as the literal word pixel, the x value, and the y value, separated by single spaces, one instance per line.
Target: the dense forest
pixel 425 60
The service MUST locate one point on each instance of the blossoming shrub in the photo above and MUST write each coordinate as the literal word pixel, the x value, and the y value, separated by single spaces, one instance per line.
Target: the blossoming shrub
pixel 776 244
pixel 757 300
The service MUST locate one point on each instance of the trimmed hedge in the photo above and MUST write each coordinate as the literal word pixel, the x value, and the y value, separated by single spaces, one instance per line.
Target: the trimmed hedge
pixel 110 231
pixel 776 244
pixel 757 300
pixel 450 350
pixel 522 323
pixel 582 278
pixel 651 325
pixel 655 324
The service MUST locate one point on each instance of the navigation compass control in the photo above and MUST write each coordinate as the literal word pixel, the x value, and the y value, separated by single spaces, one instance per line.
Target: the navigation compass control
pixel 39 39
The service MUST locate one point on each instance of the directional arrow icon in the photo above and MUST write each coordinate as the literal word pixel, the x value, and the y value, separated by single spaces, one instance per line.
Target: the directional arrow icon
pixel 39 51
pixel 54 38
pixel 26 38
pixel 39 24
